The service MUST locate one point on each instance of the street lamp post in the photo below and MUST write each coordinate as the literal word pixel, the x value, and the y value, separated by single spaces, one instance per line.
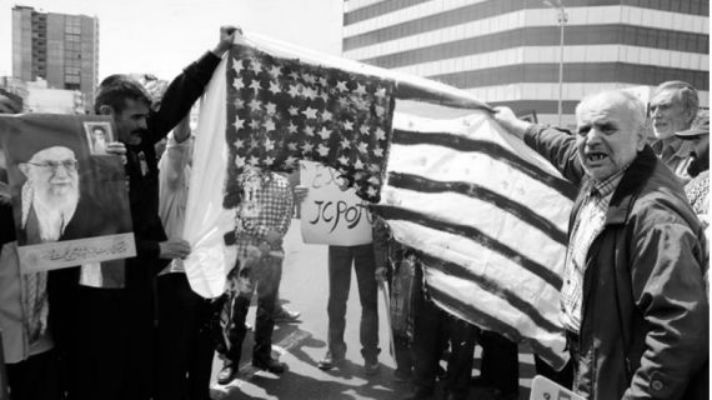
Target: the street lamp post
pixel 562 19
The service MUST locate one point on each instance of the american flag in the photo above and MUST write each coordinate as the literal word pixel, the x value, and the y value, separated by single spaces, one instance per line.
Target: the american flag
pixel 487 214
pixel 488 219
pixel 281 110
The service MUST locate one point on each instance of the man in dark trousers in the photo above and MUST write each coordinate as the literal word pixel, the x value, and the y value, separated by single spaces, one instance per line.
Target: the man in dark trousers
pixel 107 333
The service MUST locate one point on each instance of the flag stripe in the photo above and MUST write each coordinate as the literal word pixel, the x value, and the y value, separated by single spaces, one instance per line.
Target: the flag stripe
pixel 486 320
pixel 489 149
pixel 490 286
pixel 422 184
pixel 474 234
pixel 490 322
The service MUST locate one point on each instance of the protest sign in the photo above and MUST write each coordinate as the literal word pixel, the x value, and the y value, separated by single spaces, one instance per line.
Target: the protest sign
pixel 69 197
pixel 331 215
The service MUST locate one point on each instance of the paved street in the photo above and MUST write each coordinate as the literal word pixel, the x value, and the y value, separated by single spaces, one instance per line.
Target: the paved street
pixel 305 289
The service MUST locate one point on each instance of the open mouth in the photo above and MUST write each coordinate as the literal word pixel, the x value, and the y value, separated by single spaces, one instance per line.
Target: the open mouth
pixel 595 157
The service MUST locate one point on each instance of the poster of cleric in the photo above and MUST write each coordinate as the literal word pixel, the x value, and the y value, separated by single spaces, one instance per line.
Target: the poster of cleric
pixel 69 197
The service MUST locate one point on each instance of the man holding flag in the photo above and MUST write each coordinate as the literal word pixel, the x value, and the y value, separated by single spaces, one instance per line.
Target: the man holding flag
pixel 106 329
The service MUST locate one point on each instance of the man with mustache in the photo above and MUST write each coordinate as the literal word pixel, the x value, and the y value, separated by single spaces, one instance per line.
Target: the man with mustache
pixel 633 301
pixel 108 333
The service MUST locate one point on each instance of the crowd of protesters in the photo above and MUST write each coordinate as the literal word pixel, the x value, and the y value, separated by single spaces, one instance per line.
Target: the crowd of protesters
pixel 634 302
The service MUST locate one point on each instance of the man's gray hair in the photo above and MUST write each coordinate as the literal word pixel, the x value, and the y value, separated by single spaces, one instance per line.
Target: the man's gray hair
pixel 688 94
pixel 631 102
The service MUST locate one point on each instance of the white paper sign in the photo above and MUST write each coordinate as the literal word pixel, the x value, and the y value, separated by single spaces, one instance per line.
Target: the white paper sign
pixel 330 215
pixel 544 389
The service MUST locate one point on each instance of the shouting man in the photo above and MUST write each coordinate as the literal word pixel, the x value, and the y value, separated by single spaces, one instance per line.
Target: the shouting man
pixel 633 302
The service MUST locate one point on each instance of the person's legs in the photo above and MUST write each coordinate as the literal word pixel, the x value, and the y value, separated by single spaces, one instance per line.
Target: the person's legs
pixel 99 364
pixel 176 335
pixel 36 378
pixel 267 286
pixel 139 382
pixel 500 363
pixel 403 357
pixel 238 304
pixel 427 348
pixel 368 294
pixel 201 357
pixel 340 259
pixel 462 337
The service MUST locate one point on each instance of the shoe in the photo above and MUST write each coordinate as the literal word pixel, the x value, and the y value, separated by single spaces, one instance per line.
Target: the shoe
pixel 371 367
pixel 283 315
pixel 329 361
pixel 248 326
pixel 270 365
pixel 228 373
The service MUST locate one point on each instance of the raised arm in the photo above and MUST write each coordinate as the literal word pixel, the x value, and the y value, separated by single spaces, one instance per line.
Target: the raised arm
pixel 187 87
pixel 558 147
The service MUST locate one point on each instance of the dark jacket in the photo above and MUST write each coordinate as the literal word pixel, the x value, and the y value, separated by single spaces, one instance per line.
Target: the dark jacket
pixel 644 327
pixel 179 97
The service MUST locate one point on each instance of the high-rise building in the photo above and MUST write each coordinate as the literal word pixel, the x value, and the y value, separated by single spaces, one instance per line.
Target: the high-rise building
pixel 508 51
pixel 62 49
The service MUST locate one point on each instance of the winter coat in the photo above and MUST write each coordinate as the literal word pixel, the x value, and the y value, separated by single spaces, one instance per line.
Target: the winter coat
pixel 645 323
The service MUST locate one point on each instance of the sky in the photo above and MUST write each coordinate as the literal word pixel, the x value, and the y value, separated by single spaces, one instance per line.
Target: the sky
pixel 163 36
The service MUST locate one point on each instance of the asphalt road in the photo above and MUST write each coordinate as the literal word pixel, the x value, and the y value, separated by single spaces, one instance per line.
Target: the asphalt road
pixel 301 345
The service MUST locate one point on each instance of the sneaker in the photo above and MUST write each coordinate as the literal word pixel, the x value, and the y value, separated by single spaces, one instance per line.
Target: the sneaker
pixel 283 315
pixel 227 374
pixel 329 361
pixel 270 365
pixel 371 367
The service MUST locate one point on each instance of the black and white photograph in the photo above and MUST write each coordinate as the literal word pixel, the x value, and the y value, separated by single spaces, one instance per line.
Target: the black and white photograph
pixel 354 200
pixel 98 135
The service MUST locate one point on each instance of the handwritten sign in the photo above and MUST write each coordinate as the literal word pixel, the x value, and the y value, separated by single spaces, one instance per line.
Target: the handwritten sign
pixel 329 214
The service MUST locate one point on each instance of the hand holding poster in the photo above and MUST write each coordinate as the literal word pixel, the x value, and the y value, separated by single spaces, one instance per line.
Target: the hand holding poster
pixel 70 207
pixel 331 215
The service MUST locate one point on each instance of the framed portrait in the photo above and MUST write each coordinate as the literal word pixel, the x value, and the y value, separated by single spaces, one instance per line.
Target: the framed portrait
pixel 98 134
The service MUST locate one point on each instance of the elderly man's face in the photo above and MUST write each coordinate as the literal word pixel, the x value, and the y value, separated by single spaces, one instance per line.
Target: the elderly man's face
pixel 608 137
pixel 53 173
pixel 669 114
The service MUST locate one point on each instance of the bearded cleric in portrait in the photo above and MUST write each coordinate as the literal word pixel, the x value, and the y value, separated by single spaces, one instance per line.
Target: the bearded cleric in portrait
pixel 50 195
pixel 60 192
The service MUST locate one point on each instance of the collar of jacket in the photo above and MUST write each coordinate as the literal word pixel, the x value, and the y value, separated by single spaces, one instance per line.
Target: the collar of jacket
pixel 628 188
pixel 630 185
